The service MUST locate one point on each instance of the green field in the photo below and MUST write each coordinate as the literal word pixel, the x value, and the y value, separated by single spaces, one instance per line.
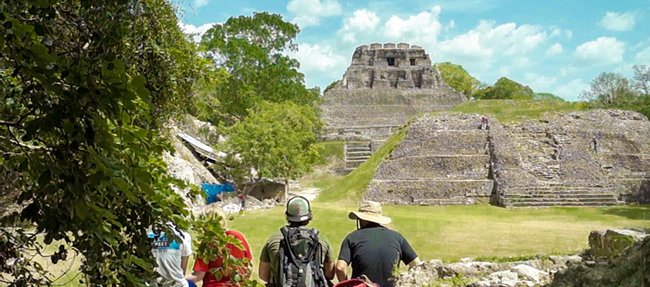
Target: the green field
pixel 453 232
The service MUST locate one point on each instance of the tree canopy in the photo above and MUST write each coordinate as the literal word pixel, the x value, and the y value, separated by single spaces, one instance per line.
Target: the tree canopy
pixel 610 89
pixel 252 51
pixel 277 140
pixel 458 78
pixel 86 87
pixel 505 88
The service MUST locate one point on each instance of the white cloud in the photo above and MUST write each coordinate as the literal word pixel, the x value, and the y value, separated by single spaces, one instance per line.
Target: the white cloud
pixel 319 59
pixel 643 57
pixel 571 91
pixel 539 83
pixel 309 12
pixel 421 29
pixel 555 49
pixel 361 21
pixel 194 31
pixel 487 43
pixel 602 51
pixel 200 3
pixel 614 21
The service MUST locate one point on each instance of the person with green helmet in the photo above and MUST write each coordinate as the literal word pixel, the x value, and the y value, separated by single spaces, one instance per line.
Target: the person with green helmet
pixel 297 255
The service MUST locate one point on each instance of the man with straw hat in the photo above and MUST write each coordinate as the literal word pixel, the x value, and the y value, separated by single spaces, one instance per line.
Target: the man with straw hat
pixel 373 250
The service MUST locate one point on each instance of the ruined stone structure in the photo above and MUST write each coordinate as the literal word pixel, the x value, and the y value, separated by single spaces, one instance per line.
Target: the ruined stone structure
pixel 384 87
pixel 447 159
pixel 442 160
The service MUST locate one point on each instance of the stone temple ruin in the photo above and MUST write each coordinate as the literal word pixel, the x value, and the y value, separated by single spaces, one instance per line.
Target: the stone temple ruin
pixel 599 157
pixel 384 87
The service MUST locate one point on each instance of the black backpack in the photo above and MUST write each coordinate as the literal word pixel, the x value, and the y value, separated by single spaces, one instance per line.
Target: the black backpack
pixel 301 258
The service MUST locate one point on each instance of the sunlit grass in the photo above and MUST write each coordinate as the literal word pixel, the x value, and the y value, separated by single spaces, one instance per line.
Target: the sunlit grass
pixel 517 110
pixel 452 232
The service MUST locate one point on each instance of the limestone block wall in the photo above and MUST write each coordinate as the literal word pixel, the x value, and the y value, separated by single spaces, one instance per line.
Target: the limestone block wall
pixel 442 160
pixel 555 155
pixel 446 159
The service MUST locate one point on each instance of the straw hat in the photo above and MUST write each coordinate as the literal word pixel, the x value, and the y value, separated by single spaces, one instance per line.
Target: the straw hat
pixel 370 211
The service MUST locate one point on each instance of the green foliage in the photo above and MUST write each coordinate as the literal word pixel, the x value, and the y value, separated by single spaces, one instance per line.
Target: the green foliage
pixel 252 50
pixel 85 87
pixel 331 86
pixel 206 105
pixel 351 187
pixel 458 78
pixel 518 110
pixel 642 79
pixel 330 150
pixel 211 242
pixel 277 140
pixel 610 90
pixel 506 89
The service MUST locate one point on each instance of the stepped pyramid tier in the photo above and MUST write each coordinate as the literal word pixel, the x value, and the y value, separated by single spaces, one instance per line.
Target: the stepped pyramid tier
pixel 553 161
pixel 443 159
pixel 385 86
pixel 593 158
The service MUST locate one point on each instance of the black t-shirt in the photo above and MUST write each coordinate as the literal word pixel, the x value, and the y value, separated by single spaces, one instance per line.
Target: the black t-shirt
pixel 374 252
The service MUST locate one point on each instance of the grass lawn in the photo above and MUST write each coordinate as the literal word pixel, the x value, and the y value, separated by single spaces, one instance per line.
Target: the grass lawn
pixel 452 232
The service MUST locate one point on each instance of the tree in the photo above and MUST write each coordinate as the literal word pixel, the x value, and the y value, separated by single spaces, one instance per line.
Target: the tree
pixel 610 89
pixel 505 88
pixel 276 140
pixel 458 78
pixel 85 89
pixel 252 50
pixel 642 79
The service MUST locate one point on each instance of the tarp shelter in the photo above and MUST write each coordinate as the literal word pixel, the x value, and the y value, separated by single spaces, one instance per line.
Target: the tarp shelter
pixel 212 190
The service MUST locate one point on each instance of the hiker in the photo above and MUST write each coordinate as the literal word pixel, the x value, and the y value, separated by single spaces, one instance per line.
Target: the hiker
pixel 202 269
pixel 296 250
pixel 171 256
pixel 242 200
pixel 557 152
pixel 594 142
pixel 373 250
pixel 484 123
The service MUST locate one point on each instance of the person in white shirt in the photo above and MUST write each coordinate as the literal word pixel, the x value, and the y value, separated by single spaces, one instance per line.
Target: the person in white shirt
pixel 171 257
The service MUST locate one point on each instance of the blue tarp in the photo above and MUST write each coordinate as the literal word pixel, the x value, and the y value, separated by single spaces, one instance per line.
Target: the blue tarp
pixel 212 190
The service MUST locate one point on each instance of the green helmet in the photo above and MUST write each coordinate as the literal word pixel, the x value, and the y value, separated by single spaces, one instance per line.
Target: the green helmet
pixel 298 209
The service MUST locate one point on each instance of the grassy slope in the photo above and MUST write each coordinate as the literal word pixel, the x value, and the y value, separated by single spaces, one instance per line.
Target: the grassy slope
pixel 516 110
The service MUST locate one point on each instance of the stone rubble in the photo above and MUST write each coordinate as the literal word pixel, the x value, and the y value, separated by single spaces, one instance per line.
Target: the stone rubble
pixel 625 265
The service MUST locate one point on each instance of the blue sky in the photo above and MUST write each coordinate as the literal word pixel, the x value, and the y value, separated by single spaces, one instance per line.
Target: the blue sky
pixel 552 46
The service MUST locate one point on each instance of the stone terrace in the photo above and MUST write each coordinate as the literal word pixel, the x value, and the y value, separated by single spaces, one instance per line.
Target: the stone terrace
pixel 446 159
pixel 427 169
pixel 552 161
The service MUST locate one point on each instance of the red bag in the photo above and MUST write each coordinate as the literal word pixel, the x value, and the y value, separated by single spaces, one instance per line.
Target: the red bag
pixel 356 282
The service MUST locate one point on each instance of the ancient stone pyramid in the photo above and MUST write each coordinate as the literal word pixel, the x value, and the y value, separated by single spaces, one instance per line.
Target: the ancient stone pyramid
pixel 384 87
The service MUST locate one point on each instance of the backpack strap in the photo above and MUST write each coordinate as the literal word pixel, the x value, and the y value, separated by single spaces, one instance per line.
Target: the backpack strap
pixel 286 257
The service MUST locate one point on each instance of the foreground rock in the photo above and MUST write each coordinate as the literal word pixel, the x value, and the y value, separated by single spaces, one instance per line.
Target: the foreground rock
pixel 622 258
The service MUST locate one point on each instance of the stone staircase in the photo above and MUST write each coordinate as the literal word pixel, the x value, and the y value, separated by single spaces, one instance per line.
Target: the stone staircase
pixel 559 195
pixel 356 153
